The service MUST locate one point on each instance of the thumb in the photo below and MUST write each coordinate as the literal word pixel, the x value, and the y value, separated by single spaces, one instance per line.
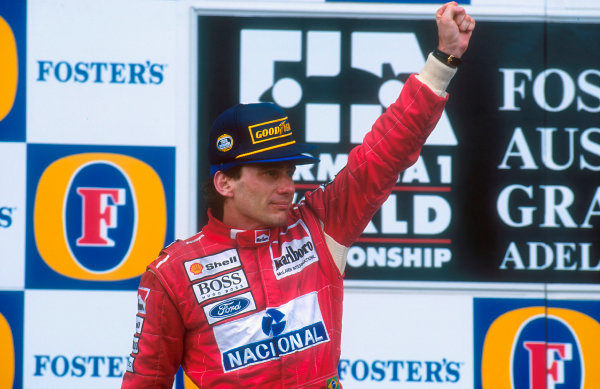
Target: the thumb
pixel 446 7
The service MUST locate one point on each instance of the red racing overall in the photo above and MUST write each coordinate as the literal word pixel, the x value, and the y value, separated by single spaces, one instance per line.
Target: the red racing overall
pixel 264 308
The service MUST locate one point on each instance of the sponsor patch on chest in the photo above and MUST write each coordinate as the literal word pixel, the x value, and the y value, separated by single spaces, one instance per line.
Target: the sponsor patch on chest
pixel 220 286
pixel 272 333
pixel 207 266
pixel 294 251
pixel 230 307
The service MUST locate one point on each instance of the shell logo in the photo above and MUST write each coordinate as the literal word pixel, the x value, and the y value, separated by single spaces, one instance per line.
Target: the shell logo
pixel 9 68
pixel 7 355
pixel 196 268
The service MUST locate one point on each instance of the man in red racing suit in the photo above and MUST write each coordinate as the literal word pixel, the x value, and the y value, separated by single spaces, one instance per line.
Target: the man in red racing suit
pixel 252 302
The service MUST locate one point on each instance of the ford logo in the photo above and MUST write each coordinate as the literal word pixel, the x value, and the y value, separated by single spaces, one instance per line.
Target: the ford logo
pixel 229 307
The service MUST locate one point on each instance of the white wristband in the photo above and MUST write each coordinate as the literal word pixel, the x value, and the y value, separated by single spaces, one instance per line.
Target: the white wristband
pixel 436 75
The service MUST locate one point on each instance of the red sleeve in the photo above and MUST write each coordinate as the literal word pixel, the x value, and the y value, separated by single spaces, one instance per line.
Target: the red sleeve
pixel 158 339
pixel 394 143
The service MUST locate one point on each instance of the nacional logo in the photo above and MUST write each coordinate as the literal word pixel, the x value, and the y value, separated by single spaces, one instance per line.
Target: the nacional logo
pixel 12 70
pixel 263 336
pixel 99 215
pixel 273 323
pixel 526 344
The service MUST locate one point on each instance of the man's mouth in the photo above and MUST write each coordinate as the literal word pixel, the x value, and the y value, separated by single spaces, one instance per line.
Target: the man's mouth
pixel 283 205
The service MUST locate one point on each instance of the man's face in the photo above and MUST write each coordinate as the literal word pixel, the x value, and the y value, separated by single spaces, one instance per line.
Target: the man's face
pixel 261 197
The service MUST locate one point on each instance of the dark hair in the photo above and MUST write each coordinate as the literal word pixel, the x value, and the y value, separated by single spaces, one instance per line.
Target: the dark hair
pixel 213 199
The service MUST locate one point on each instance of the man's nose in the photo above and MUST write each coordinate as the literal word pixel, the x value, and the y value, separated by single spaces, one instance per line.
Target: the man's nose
pixel 286 184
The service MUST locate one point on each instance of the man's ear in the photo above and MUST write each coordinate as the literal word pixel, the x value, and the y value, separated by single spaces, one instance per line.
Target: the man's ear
pixel 223 184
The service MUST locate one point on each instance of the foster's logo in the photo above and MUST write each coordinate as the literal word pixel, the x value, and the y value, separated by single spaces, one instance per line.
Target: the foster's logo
pixel 79 366
pixel 97 216
pixel 132 73
pixel 8 349
pixel 537 346
pixel 12 70
pixel 11 339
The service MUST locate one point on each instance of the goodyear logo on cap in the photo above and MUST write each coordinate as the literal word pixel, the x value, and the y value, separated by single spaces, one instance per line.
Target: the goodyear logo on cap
pixel 11 339
pixel 267 131
pixel 537 344
pixel 97 213
pixel 12 70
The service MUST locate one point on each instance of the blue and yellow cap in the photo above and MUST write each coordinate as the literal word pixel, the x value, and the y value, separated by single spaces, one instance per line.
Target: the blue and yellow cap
pixel 254 133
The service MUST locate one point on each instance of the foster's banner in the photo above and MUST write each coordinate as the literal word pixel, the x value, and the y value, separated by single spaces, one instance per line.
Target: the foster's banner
pixel 536 344
pixel 13 33
pixel 99 214
pixel 11 339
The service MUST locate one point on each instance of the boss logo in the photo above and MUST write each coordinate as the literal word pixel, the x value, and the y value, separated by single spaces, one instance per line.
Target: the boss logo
pixel 220 286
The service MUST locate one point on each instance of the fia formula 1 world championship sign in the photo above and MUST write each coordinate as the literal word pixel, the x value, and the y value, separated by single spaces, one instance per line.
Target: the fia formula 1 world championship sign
pixel 505 188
